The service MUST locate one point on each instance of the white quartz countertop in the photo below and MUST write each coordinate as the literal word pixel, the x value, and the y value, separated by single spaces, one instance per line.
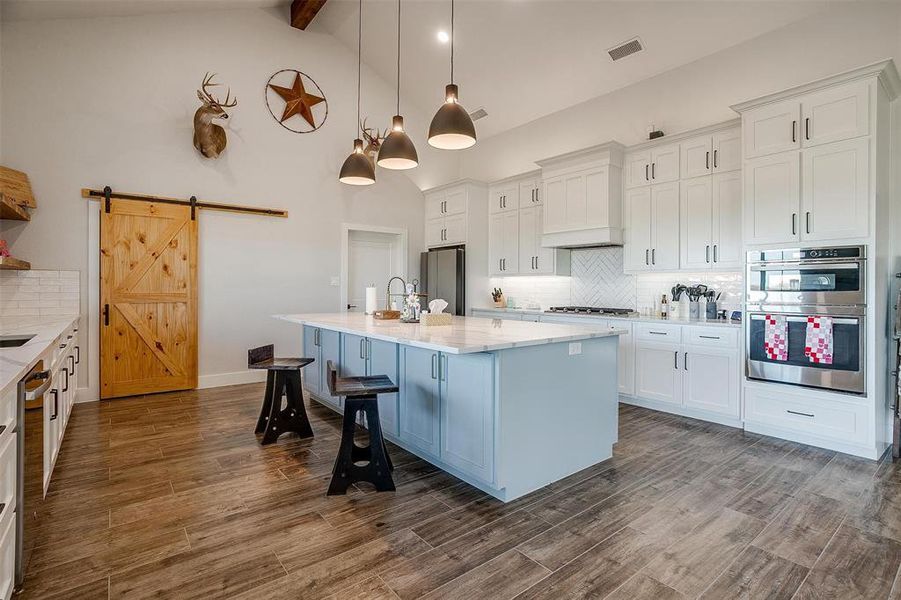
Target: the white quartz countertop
pixel 15 363
pixel 465 335
pixel 634 319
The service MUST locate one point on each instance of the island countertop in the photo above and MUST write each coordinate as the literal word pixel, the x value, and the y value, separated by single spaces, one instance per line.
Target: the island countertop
pixel 464 336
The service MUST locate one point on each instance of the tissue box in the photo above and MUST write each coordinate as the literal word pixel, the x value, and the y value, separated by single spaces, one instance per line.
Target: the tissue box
pixel 429 319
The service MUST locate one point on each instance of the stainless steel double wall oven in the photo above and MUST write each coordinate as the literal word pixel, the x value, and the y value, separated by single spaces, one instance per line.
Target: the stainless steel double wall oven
pixel 800 282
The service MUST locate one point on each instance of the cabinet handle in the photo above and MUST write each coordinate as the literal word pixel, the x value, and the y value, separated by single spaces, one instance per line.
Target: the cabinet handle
pixel 499 265
pixel 442 367
pixel 72 363
pixel 653 256
pixel 800 414
pixel 676 360
pixel 707 161
pixel 55 405
pixel 807 220
pixel 657 332
pixel 536 263
pixel 794 131
pixel 715 259
pixel 646 254
pixel 646 173
pixel 66 385
pixel 807 128
pixel 361 347
pixel 368 349
pixel 77 355
pixel 709 337
pixel 685 362
pixel 707 254
pixel 434 366
pixel 714 159
pixel 794 223
pixel 653 170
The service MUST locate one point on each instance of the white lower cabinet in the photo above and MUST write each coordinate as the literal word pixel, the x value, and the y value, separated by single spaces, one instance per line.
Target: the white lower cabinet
pixel 626 358
pixel 7 552
pixel 657 374
pixel 710 379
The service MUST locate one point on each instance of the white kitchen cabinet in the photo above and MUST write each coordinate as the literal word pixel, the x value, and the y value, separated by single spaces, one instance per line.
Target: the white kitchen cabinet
pixel 772 198
pixel 835 192
pixel 577 200
pixel 434 232
pixel 503 243
pixel 657 372
pixel 529 192
pixel 454 216
pixel 534 259
pixel 466 383
pixel 455 229
pixel 710 215
pixel 639 239
pixel 7 552
pixel 638 169
pixel 665 163
pixel 836 113
pixel 696 213
pixel 503 198
pixel 771 128
pixel 434 204
pixel 455 200
pixel 665 226
pixel 696 156
pixel 710 379
pixel 727 235
pixel 727 150
pixel 626 358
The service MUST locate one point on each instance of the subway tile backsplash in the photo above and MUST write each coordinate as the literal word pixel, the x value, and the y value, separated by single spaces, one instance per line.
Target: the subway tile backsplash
pixel 29 296
pixel 598 280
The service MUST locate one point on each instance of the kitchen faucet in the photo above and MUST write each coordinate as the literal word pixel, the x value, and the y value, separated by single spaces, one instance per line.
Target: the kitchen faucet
pixel 388 293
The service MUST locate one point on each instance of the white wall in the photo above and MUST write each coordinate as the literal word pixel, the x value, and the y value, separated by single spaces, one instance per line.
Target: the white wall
pixel 840 38
pixel 94 102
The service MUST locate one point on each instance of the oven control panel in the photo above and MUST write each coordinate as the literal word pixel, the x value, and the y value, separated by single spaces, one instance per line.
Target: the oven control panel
pixel 799 254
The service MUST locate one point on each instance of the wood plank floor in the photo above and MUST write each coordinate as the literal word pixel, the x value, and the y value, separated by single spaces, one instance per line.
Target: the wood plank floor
pixel 171 496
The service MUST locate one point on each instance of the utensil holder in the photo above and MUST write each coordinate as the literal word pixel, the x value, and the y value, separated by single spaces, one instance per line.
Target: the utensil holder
pixel 711 310
pixel 694 310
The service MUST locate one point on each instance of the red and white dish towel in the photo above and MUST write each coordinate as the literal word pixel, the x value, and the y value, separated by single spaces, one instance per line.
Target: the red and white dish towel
pixel 818 344
pixel 776 337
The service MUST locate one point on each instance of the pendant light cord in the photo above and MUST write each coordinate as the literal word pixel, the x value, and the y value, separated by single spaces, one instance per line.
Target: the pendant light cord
pixel 452 41
pixel 398 58
pixel 359 69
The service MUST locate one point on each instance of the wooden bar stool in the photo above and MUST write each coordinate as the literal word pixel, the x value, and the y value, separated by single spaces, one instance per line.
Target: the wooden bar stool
pixel 360 396
pixel 282 379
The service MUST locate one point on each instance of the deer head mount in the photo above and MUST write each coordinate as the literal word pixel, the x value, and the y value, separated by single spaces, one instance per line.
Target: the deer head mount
pixel 373 139
pixel 209 138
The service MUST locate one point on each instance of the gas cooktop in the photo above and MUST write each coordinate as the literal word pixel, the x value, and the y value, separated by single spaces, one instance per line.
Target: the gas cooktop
pixel 592 310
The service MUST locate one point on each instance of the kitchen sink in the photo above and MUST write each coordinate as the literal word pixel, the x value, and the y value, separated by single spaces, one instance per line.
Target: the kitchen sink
pixel 14 341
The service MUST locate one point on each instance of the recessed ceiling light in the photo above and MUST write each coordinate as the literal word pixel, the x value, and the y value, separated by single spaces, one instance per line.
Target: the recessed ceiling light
pixel 443 37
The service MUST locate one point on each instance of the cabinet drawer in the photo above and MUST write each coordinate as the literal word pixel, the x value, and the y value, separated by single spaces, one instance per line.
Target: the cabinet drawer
pixel 711 336
pixel 841 421
pixel 7 554
pixel 7 472
pixel 662 332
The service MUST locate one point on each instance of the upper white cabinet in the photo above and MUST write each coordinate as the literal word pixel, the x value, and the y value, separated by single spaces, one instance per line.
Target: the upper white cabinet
pixel 727 150
pixel 710 216
pixel 772 197
pixel 514 236
pixel 815 179
pixel 581 193
pixel 711 153
pixel 653 217
pixel 771 128
pixel 447 212
pixel 836 113
pixel 660 164
pixel 638 169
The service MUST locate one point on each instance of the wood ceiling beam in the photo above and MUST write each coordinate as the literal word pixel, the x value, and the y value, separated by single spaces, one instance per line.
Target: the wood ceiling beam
pixel 304 11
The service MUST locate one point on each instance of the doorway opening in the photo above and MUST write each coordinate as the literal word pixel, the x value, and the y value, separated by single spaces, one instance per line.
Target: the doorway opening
pixel 370 256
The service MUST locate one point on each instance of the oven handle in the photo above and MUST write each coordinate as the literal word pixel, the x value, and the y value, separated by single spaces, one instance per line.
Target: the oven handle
pixel 794 319
pixel 856 265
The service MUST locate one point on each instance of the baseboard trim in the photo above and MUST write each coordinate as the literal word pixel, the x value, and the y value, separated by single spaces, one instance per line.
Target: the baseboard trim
pixel 682 412
pixel 86 394
pixel 870 452
pixel 235 378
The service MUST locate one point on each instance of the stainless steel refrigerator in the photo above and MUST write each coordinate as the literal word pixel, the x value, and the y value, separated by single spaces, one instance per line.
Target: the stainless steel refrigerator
pixel 443 275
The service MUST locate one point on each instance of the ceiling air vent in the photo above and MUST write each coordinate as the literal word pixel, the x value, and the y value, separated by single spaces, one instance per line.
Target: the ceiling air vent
pixel 480 113
pixel 625 49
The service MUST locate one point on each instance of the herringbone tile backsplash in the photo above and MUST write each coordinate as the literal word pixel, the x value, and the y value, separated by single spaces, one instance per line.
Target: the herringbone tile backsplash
pixel 598 280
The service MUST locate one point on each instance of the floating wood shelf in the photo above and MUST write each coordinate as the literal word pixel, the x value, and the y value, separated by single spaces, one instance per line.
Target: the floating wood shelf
pixel 12 211
pixel 8 263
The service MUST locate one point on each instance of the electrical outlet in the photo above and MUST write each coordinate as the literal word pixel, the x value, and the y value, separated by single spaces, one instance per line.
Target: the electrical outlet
pixel 575 348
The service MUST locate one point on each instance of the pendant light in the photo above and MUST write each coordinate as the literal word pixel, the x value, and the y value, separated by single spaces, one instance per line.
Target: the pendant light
pixel 452 127
pixel 357 169
pixel 397 151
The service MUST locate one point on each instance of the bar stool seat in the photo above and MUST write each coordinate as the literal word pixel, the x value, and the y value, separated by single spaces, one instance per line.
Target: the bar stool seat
pixel 360 396
pixel 283 379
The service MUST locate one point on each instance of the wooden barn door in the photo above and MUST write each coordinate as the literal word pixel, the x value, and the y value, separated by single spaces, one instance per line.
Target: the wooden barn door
pixel 148 298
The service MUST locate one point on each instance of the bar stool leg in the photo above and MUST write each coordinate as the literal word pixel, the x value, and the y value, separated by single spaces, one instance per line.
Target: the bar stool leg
pixel 267 403
pixel 294 417
pixel 342 473
pixel 377 471
pixel 379 467
pixel 273 426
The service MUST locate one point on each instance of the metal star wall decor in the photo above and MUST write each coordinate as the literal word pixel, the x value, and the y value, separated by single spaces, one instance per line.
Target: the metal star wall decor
pixel 298 99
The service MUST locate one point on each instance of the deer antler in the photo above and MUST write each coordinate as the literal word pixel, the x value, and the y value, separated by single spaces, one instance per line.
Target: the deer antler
pixel 368 135
pixel 208 82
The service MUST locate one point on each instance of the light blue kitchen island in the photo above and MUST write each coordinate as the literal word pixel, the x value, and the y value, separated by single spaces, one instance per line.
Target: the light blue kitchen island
pixel 508 406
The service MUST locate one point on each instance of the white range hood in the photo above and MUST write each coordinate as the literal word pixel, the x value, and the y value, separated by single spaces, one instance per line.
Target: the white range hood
pixel 583 198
